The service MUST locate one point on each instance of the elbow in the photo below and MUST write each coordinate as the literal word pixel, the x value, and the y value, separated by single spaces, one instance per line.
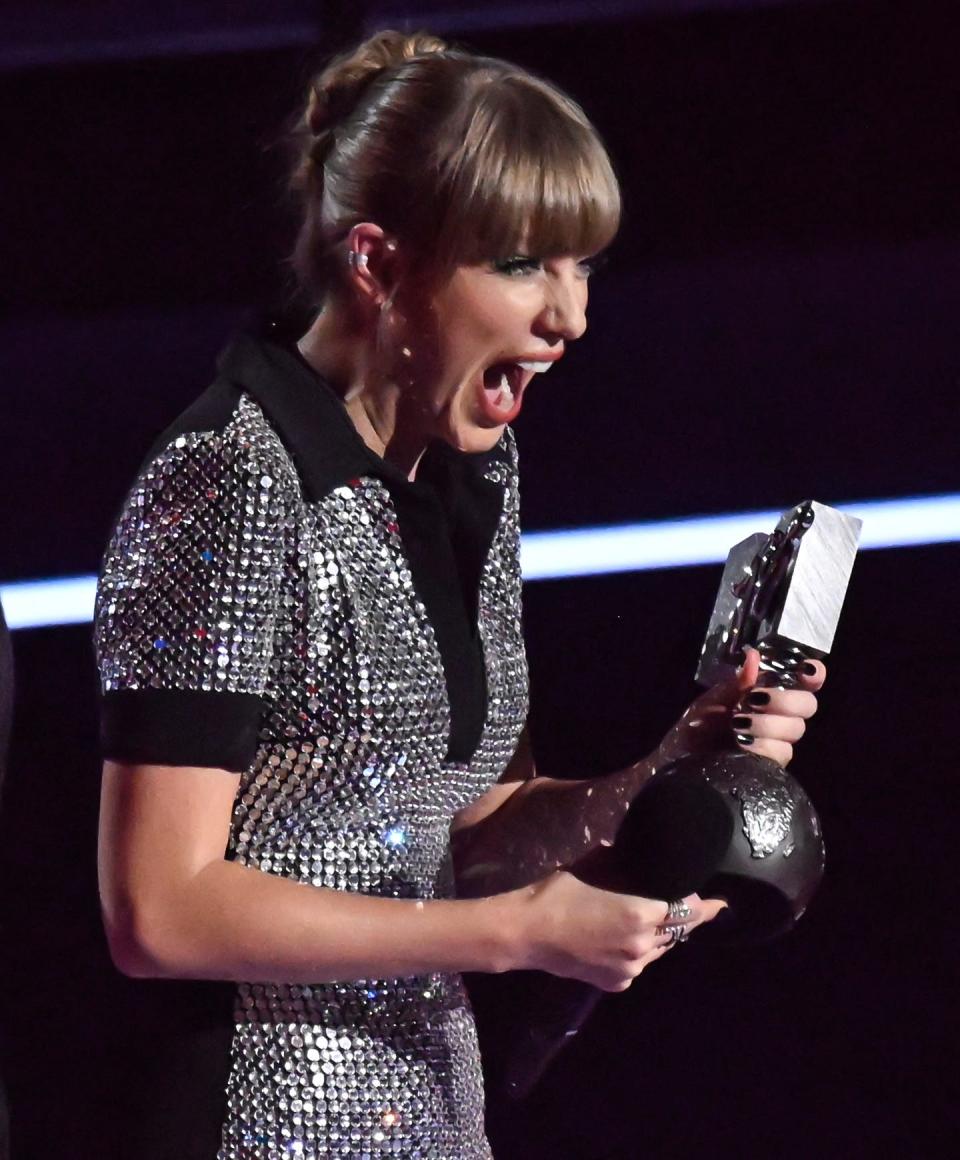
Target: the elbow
pixel 131 957
pixel 141 945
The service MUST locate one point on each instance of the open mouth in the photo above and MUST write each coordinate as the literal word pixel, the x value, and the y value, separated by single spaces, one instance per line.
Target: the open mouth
pixel 503 385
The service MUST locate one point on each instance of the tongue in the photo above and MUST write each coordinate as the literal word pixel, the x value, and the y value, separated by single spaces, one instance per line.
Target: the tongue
pixel 493 377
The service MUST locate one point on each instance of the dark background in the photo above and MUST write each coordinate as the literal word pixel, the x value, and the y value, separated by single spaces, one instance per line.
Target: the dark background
pixel 778 320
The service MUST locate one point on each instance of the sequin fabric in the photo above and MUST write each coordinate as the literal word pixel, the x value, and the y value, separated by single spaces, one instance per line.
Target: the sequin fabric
pixel 220 576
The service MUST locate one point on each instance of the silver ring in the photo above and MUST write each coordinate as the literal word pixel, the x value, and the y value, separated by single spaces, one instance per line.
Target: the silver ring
pixel 677 934
pixel 357 259
pixel 678 909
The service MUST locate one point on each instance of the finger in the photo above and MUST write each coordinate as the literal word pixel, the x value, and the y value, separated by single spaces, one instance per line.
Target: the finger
pixel 670 933
pixel 649 918
pixel 812 675
pixel 769 726
pixel 652 912
pixel 673 932
pixel 779 751
pixel 786 702
pixel 749 671
pixel 668 936
pixel 706 910
pixel 711 907
pixel 727 693
pixel 656 912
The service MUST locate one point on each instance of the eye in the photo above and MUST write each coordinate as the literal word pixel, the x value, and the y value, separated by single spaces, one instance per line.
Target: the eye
pixel 517 267
pixel 589 266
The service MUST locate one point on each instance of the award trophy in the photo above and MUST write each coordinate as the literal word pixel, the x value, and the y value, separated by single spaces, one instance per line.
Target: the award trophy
pixel 732 824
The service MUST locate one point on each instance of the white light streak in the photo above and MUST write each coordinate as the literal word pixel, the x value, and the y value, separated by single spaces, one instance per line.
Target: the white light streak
pixel 684 543
pixel 43 603
pixel 887 523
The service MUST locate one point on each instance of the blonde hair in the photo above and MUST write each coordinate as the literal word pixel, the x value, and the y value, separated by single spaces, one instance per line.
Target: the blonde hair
pixel 466 158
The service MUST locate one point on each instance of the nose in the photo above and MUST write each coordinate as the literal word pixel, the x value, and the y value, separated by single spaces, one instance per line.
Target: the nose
pixel 564 314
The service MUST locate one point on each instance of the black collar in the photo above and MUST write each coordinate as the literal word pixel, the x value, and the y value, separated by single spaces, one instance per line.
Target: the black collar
pixel 450 491
pixel 312 422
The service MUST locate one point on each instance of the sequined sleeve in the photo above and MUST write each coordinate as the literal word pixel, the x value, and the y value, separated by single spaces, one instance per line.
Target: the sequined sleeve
pixel 187 605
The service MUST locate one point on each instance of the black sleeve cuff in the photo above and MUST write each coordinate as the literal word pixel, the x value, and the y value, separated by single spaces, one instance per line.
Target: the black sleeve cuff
pixel 181 727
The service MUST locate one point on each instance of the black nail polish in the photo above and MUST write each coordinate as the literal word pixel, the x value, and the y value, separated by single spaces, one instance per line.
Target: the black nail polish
pixel 809 668
pixel 741 723
pixel 758 699
pixel 744 738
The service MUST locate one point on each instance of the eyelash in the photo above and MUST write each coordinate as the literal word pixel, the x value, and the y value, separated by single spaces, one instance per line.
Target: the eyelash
pixel 519 266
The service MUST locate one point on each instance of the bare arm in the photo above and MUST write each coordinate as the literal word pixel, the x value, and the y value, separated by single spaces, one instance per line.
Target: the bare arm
pixel 173 907
pixel 527 826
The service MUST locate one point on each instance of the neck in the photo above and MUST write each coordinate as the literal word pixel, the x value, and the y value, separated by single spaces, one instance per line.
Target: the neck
pixel 343 350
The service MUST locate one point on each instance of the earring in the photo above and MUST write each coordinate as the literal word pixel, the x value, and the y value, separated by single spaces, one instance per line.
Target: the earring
pixel 358 260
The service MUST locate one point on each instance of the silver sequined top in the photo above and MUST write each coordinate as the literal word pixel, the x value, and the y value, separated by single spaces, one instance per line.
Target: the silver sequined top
pixel 236 596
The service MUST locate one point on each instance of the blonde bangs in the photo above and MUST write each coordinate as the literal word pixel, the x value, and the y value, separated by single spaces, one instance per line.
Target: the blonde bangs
pixel 469 159
pixel 528 174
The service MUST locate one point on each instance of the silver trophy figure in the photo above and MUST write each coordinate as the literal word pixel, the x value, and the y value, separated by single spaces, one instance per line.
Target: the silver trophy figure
pixel 782 594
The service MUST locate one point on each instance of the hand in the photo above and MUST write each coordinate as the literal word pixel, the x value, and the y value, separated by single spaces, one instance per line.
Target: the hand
pixel 602 938
pixel 741 714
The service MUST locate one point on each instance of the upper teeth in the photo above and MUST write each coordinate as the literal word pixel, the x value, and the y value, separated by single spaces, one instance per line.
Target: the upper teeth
pixel 538 368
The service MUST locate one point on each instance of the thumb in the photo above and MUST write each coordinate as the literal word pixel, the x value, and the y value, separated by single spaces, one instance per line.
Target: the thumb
pixel 710 907
pixel 749 671
pixel 730 691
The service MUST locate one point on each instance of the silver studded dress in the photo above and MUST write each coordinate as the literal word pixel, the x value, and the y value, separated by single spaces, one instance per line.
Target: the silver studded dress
pixel 261 609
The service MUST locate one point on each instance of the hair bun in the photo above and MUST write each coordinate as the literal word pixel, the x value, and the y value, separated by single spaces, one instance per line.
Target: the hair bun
pixel 459 157
pixel 335 92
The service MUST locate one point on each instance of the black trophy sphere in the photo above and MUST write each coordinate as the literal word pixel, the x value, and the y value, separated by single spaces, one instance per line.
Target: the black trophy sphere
pixel 774 861
pixel 730 825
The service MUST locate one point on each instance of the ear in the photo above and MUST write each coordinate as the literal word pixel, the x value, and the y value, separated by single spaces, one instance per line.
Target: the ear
pixel 371 263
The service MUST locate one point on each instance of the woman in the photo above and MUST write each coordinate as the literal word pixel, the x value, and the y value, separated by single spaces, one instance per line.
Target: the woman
pixel 309 640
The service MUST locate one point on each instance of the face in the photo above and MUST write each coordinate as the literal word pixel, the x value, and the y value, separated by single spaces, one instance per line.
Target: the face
pixel 483 337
